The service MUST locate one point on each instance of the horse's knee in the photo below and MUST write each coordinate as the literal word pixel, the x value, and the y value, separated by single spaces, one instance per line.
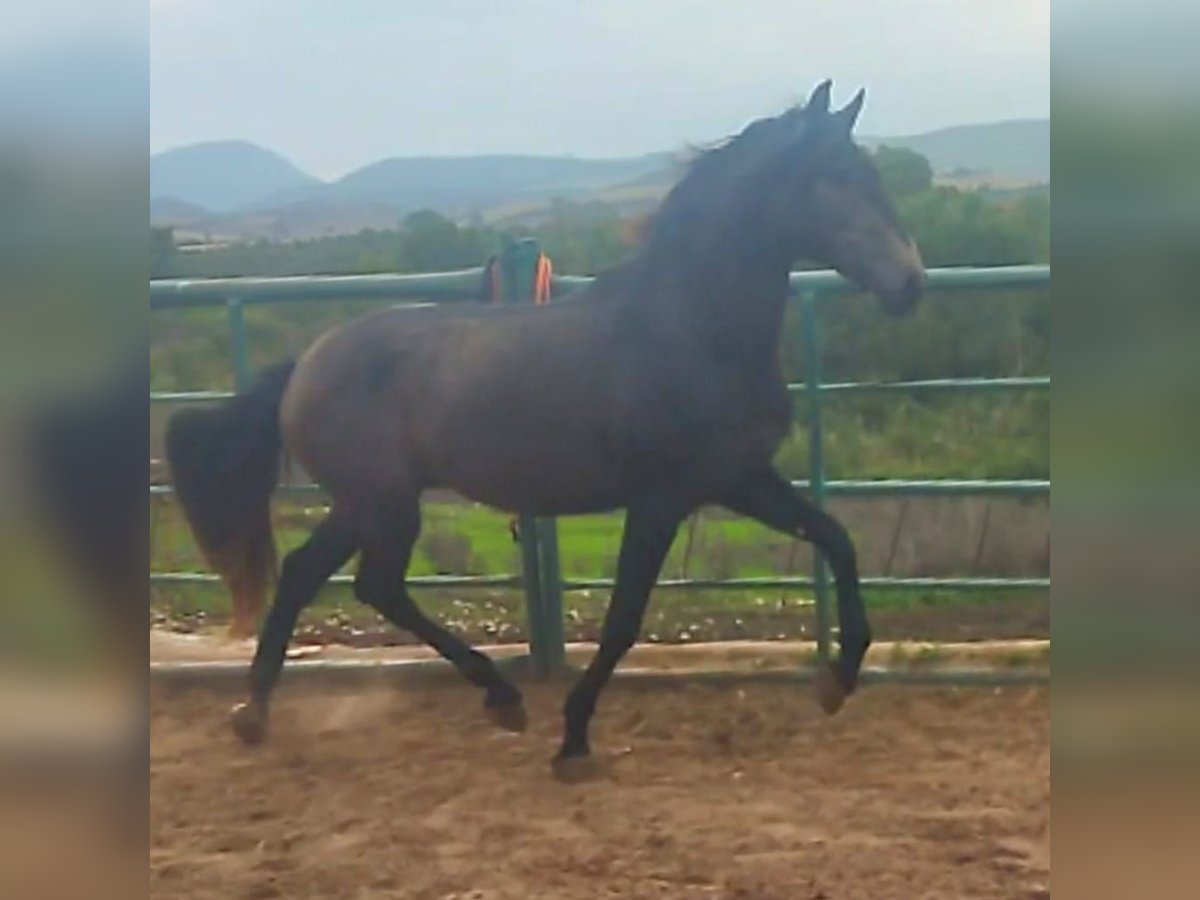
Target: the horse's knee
pixel 298 574
pixel 833 540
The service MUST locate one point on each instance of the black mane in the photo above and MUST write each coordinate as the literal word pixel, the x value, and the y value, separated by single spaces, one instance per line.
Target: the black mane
pixel 721 172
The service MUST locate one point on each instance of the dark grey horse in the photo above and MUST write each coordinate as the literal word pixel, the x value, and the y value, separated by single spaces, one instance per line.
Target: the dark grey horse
pixel 657 389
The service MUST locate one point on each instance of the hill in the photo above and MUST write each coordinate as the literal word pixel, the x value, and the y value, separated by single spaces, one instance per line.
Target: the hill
pixel 173 211
pixel 245 192
pixel 1016 150
pixel 462 185
pixel 222 176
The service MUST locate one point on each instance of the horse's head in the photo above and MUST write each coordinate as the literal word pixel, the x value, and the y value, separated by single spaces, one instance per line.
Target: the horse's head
pixel 831 206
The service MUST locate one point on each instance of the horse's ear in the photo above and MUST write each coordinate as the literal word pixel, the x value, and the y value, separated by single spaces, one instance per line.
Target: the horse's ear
pixel 819 101
pixel 848 115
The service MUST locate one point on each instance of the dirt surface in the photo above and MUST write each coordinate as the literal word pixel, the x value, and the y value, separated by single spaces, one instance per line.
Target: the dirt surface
pixel 732 792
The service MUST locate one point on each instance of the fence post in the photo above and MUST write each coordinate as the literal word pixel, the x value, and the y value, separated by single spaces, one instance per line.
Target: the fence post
pixel 238 344
pixel 531 581
pixel 553 632
pixel 539 538
pixel 816 458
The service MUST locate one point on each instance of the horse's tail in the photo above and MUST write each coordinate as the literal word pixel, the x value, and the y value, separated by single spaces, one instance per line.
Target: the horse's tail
pixel 225 463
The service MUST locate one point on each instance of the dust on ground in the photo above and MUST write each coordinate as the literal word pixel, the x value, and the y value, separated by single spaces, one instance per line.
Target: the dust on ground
pixel 729 792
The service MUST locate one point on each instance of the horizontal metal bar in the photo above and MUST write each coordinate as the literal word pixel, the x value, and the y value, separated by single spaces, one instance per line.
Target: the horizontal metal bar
pixel 184 293
pixel 827 281
pixel 869 487
pixel 286 490
pixel 177 293
pixel 943 384
pixel 946 384
pixel 934 384
pixel 933 487
pixel 770 582
pixel 433 581
pixel 668 584
pixel 189 396
pixel 958 584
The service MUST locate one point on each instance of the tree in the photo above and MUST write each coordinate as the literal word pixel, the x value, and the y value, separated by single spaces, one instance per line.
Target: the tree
pixel 432 243
pixel 904 172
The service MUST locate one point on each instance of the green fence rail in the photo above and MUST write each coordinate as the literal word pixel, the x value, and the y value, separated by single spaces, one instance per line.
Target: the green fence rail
pixel 541 577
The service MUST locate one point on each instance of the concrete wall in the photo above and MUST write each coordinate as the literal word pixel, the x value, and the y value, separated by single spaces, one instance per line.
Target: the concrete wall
pixel 942 536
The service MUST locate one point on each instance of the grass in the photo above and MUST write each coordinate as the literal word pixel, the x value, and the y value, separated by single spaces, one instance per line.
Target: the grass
pixel 464 538
pixel 588 544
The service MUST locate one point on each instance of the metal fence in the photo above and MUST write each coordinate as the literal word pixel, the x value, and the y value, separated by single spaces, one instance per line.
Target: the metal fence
pixel 541 578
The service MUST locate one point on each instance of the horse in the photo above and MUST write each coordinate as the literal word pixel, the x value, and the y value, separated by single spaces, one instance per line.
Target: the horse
pixel 657 389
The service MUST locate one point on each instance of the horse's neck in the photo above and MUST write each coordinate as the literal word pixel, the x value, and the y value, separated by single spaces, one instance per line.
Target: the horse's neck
pixel 731 300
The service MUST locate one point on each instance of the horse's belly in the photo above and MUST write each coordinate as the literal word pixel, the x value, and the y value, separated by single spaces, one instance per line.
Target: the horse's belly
pixel 545 477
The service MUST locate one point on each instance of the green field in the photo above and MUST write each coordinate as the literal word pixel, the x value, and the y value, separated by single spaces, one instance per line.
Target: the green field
pixel 462 538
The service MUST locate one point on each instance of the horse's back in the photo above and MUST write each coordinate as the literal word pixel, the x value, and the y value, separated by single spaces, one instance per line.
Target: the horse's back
pixel 407 398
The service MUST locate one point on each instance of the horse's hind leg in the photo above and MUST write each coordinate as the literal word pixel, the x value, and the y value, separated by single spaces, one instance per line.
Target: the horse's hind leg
pixel 303 572
pixel 502 700
pixel 380 584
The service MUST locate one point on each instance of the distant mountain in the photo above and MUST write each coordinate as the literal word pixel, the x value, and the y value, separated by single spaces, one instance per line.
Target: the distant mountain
pixel 241 181
pixel 1000 157
pixel 223 175
pixel 254 193
pixel 171 211
pixel 459 185
pixel 1016 150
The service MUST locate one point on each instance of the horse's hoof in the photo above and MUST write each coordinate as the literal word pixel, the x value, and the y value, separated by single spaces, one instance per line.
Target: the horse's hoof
pixel 249 723
pixel 511 717
pixel 830 693
pixel 577 769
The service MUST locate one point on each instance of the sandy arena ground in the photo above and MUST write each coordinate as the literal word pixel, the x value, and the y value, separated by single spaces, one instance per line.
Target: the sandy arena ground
pixel 730 792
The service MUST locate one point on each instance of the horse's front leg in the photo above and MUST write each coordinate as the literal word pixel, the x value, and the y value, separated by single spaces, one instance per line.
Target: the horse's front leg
pixel 768 497
pixel 650 527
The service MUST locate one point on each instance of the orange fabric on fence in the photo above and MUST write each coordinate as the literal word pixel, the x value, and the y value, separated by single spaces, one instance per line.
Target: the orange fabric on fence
pixel 541 280
pixel 543 273
pixel 497 286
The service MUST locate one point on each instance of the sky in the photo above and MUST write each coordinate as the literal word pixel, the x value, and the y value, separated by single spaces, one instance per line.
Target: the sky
pixel 335 84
